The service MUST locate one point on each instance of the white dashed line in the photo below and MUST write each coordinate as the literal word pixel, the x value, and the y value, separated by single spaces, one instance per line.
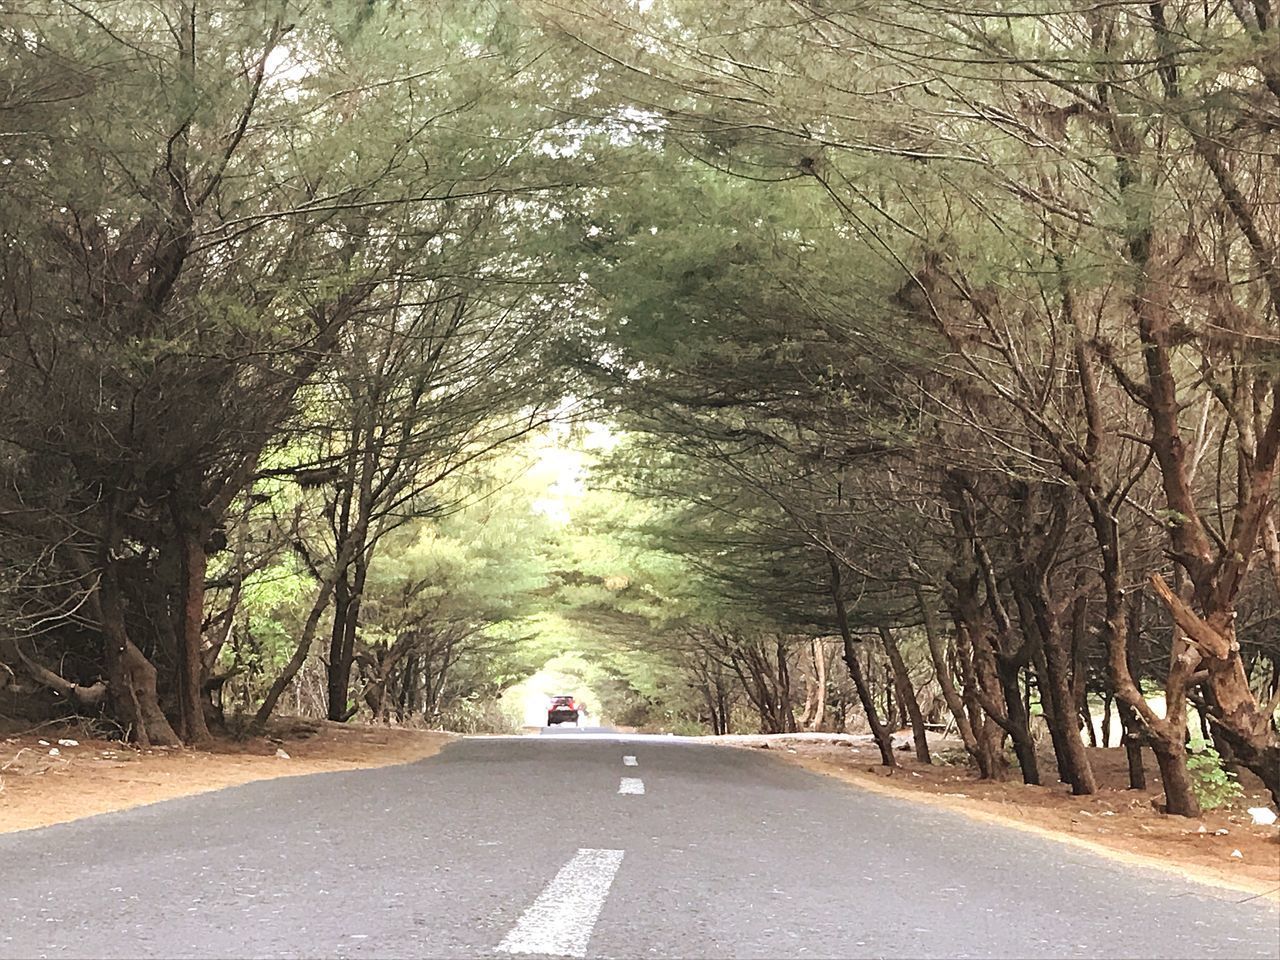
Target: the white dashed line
pixel 628 761
pixel 560 921
pixel 631 785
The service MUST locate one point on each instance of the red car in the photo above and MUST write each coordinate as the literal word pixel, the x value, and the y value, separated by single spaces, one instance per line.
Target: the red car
pixel 563 709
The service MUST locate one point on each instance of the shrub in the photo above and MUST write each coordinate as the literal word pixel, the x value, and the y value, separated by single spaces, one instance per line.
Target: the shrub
pixel 1213 784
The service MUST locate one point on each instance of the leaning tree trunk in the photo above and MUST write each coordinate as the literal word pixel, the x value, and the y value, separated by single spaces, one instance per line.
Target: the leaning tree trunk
pixel 1236 714
pixel 281 683
pixel 906 694
pixel 883 738
pixel 942 670
pixel 988 735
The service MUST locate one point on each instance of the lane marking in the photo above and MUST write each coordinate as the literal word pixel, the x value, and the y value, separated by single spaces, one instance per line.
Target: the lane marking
pixel 561 920
pixel 628 761
pixel 633 785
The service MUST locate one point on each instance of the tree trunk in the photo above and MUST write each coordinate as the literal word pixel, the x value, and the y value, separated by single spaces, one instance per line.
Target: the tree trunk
pixel 891 707
pixel 1164 734
pixel 723 703
pixel 1080 650
pixel 190 632
pixel 1053 721
pixel 300 652
pixel 988 735
pixel 810 696
pixel 942 670
pixel 906 694
pixel 983 692
pixel 788 714
pixel 1057 699
pixel 820 681
pixel 1179 795
pixel 1108 699
pixel 1086 718
pixel 1132 739
pixel 130 675
pixel 1018 723
pixel 1237 716
pixel 338 669
pixel 883 738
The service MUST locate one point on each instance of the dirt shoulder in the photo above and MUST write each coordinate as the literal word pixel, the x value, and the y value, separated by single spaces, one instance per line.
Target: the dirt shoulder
pixel 52 776
pixel 1116 822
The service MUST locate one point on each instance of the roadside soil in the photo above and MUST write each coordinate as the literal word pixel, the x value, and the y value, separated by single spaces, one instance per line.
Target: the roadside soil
pixel 43 781
pixel 1116 822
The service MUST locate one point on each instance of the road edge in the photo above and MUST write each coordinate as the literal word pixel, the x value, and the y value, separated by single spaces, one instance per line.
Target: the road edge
pixel 260 768
pixel 1257 891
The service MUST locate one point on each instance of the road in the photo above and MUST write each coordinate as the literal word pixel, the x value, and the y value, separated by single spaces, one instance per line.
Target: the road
pixel 617 847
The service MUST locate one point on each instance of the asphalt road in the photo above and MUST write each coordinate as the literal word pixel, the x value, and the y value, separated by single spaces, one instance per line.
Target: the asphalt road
pixel 562 729
pixel 510 845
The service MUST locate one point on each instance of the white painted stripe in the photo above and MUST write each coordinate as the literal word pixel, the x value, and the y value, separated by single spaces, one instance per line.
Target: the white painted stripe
pixel 631 785
pixel 628 761
pixel 560 921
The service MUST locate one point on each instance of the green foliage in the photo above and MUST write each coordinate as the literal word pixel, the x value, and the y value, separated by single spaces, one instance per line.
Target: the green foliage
pixel 1214 785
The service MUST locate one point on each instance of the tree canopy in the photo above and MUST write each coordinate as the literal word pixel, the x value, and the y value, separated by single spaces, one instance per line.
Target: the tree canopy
pixel 380 359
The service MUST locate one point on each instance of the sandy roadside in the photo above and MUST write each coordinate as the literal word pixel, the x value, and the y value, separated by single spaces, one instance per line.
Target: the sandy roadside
pixel 45 781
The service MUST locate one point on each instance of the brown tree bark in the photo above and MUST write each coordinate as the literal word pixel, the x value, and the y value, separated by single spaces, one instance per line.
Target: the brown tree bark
pixel 906 694
pixel 1166 735
pixel 1234 710
pixel 130 675
pixel 1015 719
pixel 989 735
pixel 942 670
pixel 1056 696
pixel 881 734
pixel 1132 738
pixel 1216 574
pixel 190 631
